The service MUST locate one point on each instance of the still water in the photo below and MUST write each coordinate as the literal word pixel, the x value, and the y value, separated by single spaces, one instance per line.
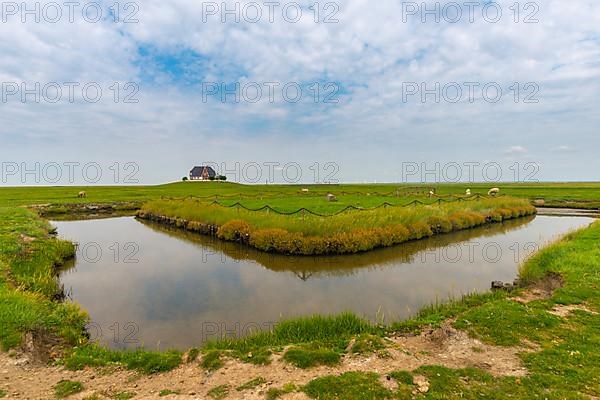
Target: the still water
pixel 148 285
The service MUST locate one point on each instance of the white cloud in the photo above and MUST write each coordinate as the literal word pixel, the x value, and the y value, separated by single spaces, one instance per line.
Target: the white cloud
pixel 370 52
pixel 516 150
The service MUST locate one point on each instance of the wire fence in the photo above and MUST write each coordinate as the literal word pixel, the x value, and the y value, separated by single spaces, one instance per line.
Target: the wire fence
pixel 305 211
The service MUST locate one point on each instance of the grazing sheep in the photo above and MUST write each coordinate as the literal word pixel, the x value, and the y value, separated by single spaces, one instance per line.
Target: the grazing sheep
pixel 331 197
pixel 468 192
pixel 82 195
pixel 431 193
pixel 304 190
pixel 494 192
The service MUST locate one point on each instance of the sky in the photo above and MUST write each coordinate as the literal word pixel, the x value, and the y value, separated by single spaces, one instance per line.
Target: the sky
pixel 299 92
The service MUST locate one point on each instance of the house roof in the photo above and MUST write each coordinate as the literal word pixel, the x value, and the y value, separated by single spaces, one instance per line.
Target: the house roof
pixel 199 170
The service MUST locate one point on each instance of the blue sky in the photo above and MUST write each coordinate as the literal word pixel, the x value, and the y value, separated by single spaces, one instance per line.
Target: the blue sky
pixel 180 57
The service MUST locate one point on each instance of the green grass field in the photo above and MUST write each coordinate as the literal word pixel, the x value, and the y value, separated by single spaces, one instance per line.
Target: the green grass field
pixel 560 194
pixel 564 365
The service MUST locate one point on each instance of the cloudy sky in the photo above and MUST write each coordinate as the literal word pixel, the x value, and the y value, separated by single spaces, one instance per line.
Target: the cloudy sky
pixel 348 91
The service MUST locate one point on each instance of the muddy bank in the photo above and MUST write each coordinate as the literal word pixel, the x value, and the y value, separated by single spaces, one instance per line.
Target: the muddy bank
pixel 569 212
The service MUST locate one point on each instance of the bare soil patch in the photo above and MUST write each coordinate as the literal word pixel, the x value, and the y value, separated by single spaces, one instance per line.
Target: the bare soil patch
pixel 26 377
pixel 541 290
pixel 565 310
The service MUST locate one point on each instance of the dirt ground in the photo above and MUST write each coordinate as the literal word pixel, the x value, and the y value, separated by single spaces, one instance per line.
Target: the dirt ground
pixel 23 378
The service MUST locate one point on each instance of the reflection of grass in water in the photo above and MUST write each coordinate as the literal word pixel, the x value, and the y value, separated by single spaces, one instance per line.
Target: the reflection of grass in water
pixel 342 265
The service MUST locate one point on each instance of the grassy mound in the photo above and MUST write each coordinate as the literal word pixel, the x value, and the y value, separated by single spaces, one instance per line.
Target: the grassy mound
pixel 346 233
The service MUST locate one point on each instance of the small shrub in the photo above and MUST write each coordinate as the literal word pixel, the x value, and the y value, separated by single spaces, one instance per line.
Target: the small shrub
pixel 399 234
pixel 461 220
pixel 279 241
pixel 439 225
pixel 234 231
pixel 419 230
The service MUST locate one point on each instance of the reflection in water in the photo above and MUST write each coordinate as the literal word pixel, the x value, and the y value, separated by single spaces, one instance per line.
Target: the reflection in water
pixel 146 284
pixel 305 267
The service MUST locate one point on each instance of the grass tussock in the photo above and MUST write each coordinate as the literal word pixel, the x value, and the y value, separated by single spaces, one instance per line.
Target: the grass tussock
pixel 211 361
pixel 311 356
pixel 346 233
pixel 67 388
pixel 219 392
pixel 350 386
pixel 366 344
pixel 141 360
pixel 251 384
pixel 332 332
pixel 276 393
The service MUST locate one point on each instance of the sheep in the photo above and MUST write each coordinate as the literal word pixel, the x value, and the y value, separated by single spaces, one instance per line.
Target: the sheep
pixel 468 192
pixel 304 190
pixel 82 195
pixel 432 193
pixel 493 192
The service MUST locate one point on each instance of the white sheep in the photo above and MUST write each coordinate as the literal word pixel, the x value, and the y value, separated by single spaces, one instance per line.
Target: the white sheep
pixel 468 192
pixel 493 192
pixel 82 195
